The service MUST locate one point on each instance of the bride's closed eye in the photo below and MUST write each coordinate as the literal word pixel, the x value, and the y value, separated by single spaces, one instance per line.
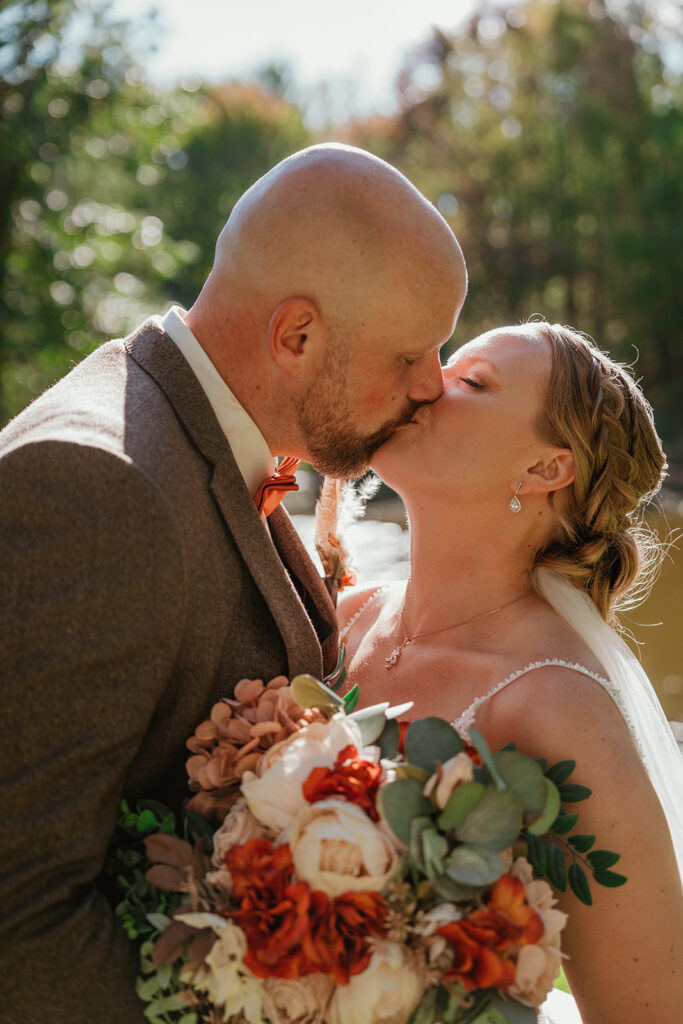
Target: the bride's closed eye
pixel 473 383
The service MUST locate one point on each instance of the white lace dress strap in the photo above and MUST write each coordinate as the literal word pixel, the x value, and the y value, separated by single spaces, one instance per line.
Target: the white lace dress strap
pixel 346 628
pixel 465 721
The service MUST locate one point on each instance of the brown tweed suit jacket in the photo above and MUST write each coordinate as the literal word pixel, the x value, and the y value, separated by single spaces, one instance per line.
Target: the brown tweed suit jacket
pixel 137 586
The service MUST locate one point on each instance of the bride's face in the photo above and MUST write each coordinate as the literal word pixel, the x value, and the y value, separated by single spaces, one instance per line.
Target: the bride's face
pixel 480 436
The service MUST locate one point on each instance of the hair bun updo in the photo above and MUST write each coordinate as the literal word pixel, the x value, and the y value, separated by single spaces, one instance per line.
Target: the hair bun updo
pixel 594 407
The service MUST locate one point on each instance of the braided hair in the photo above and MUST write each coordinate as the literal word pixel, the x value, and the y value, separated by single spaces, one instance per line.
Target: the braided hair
pixel 594 407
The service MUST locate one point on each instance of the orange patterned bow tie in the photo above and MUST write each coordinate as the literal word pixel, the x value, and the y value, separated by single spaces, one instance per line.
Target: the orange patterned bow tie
pixel 273 489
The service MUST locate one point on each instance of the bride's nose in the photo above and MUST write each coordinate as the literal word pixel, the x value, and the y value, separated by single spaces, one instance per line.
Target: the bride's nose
pixel 426 383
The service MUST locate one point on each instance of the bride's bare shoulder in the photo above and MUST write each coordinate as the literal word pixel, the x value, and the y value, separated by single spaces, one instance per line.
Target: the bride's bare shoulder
pixel 352 603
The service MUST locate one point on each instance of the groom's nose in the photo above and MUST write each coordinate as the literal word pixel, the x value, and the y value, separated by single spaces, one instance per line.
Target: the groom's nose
pixel 426 383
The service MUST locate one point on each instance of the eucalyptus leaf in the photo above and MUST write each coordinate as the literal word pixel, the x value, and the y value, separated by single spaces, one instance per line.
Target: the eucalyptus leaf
pixel 425 1011
pixel 164 974
pixel 336 678
pixel 550 810
pixel 389 739
pixel 401 801
pixel 351 698
pixel 537 853
pixel 165 1004
pixel 560 772
pixel 582 843
pixel 610 879
pixel 158 921
pixel 512 1011
pixel 482 748
pixel 411 771
pixel 602 858
pixel 524 777
pixel 471 865
pixel 494 822
pixel 564 823
pixel 309 692
pixel 453 891
pixel 489 1015
pixel 579 884
pixel 147 989
pixel 370 721
pixel 557 869
pixel 463 798
pixel 434 849
pixel 572 792
pixel 430 742
pixel 417 828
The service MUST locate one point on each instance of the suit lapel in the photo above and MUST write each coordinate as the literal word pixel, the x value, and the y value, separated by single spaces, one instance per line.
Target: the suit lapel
pixel 316 596
pixel 157 354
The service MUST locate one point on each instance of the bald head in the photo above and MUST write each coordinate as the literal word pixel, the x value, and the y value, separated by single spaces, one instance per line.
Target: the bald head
pixel 345 241
pixel 339 226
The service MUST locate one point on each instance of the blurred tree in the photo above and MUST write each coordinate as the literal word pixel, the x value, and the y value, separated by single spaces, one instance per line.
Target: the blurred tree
pixel 112 191
pixel 551 137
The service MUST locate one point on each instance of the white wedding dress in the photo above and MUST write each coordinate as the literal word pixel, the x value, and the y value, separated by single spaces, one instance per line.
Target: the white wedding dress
pixel 629 687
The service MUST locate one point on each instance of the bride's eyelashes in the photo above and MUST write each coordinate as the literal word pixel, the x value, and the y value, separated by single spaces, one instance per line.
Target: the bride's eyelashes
pixel 473 383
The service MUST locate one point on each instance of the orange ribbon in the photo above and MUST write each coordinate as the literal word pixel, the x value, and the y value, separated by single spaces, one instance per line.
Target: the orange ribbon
pixel 273 489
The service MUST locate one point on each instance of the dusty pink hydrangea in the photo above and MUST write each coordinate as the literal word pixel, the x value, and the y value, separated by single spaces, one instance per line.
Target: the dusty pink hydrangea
pixel 234 737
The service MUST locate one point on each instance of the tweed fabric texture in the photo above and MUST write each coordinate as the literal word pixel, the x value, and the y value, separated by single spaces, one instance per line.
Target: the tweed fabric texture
pixel 137 586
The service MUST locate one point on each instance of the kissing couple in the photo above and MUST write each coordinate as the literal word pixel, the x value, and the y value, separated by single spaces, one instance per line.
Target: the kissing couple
pixel 146 567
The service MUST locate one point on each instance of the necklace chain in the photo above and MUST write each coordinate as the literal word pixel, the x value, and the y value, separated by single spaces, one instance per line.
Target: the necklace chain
pixel 392 659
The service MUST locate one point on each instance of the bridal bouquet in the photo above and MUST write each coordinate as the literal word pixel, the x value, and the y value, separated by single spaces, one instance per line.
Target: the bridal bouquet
pixel 361 871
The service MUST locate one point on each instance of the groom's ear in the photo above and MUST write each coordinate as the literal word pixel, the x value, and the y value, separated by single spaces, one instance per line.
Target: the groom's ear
pixel 551 473
pixel 292 333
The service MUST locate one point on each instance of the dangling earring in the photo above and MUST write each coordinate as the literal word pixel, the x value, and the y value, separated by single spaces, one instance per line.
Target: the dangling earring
pixel 515 504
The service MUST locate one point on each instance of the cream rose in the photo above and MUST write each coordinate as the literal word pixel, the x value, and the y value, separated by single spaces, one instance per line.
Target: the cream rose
pixel 336 848
pixel 447 776
pixel 386 992
pixel 222 975
pixel 275 797
pixel 538 965
pixel 297 1000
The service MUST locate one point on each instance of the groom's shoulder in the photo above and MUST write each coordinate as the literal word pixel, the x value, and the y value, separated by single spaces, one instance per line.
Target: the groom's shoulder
pixel 102 402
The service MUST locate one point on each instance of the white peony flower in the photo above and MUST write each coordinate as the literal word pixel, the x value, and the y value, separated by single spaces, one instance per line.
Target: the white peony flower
pixel 227 982
pixel 386 992
pixel 297 1000
pixel 275 797
pixel 447 776
pixel 336 848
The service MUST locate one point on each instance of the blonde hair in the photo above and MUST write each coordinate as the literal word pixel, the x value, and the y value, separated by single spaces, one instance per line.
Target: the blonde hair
pixel 594 407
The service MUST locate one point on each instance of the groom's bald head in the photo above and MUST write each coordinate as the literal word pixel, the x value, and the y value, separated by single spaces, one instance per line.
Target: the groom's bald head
pixel 336 252
pixel 341 227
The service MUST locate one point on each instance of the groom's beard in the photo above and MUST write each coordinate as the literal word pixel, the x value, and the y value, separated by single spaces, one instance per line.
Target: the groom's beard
pixel 326 418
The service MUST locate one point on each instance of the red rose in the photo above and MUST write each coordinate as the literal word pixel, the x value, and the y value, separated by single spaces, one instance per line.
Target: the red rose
pixel 292 929
pixel 339 936
pixel 351 778
pixel 479 939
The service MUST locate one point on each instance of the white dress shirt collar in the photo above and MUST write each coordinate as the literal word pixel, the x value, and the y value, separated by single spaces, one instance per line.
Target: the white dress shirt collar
pixel 252 455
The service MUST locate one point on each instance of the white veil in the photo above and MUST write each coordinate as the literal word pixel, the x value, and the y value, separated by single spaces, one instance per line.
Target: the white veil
pixel 633 694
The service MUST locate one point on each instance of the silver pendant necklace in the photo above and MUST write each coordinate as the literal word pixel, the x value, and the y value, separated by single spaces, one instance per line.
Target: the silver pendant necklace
pixel 393 658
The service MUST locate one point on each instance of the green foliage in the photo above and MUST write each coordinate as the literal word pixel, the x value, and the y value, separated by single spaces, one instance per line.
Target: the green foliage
pixel 140 905
pixel 552 141
pixel 549 856
pixel 112 191
pixel 430 742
